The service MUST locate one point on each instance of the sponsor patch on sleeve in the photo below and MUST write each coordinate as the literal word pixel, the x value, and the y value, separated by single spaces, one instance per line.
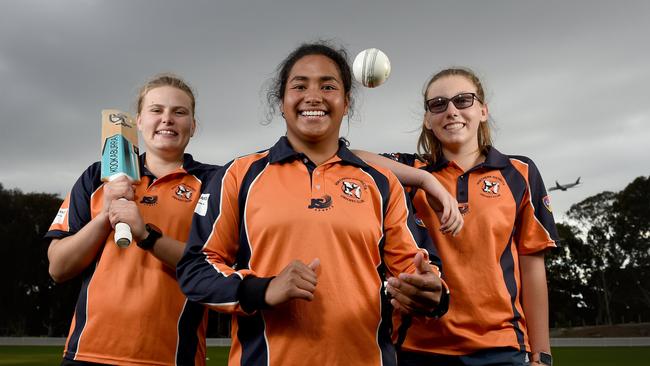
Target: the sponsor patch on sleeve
pixel 547 203
pixel 60 216
pixel 202 205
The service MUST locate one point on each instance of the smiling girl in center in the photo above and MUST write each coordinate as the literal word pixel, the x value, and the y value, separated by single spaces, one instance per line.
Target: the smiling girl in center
pixel 297 241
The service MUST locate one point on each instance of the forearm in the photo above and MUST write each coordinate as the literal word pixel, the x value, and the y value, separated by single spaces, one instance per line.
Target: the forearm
pixel 71 255
pixel 168 250
pixel 535 301
pixel 407 175
pixel 439 199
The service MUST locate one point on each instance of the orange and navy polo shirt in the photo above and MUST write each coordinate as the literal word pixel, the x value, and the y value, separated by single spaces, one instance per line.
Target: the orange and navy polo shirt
pixel 507 214
pixel 131 310
pixel 267 209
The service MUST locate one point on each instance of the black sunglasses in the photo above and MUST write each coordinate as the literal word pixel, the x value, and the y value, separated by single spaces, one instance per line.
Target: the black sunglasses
pixel 461 101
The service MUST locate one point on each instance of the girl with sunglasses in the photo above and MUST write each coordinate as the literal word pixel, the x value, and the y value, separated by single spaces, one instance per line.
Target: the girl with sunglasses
pixel 297 241
pixel 494 267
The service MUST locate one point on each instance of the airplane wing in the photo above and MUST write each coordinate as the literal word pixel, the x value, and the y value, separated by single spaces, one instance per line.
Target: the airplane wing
pixel 564 187
pixel 557 186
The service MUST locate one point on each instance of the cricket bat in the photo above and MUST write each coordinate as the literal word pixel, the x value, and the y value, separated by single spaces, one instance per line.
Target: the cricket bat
pixel 119 158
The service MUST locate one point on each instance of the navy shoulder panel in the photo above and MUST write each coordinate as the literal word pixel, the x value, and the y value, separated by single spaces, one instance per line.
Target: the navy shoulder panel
pixel 539 198
pixel 83 189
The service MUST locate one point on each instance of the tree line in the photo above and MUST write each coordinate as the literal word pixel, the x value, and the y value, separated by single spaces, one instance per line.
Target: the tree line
pixel 600 274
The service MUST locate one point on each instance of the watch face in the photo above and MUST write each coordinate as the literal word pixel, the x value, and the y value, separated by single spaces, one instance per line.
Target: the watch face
pixel 545 358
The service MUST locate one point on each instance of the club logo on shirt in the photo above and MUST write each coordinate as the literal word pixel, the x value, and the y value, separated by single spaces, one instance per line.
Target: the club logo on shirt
pixel 547 203
pixel 183 193
pixel 149 200
pixel 490 186
pixel 321 204
pixel 352 189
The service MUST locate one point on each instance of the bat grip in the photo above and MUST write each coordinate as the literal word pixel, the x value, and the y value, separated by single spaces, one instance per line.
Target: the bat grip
pixel 123 235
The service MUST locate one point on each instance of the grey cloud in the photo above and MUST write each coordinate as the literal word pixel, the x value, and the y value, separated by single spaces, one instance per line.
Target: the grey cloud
pixel 567 81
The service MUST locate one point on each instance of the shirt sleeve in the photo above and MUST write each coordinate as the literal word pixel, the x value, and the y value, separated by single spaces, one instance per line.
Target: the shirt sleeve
pixel 404 158
pixel 207 271
pixel 74 212
pixel 535 230
pixel 406 236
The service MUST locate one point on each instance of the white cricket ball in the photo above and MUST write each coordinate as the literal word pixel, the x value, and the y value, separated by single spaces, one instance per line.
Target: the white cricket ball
pixel 371 67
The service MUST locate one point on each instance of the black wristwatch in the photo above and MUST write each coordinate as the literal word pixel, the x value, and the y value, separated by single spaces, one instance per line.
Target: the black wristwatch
pixel 154 234
pixel 545 358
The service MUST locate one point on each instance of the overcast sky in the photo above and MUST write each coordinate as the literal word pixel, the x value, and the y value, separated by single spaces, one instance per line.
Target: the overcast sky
pixel 567 82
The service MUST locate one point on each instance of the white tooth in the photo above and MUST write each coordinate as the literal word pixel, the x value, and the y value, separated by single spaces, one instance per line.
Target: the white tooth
pixel 313 113
pixel 454 126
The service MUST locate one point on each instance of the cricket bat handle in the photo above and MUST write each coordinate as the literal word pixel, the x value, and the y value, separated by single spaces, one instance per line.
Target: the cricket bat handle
pixel 123 235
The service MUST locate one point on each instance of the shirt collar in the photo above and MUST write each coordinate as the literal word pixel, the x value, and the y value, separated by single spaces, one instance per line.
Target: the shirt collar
pixel 282 151
pixel 189 166
pixel 493 160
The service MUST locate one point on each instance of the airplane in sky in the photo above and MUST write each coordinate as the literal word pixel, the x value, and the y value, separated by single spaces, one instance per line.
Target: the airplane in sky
pixel 564 187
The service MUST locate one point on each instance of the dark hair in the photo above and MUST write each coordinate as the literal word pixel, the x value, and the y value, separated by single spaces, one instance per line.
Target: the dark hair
pixel 275 92
pixel 428 144
pixel 167 79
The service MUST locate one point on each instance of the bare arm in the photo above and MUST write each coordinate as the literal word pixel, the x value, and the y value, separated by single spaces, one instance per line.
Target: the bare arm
pixel 168 250
pixel 407 175
pixel 535 301
pixel 71 255
pixel 443 204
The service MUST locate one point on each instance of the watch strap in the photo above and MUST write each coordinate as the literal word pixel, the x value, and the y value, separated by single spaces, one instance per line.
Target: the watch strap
pixel 542 357
pixel 154 234
pixel 546 358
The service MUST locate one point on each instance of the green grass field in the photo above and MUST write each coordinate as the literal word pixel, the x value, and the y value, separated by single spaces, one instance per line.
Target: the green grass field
pixel 217 356
pixel 601 356
pixel 51 355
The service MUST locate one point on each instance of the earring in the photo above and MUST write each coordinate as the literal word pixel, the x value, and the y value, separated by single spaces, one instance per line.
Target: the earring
pixel 282 113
